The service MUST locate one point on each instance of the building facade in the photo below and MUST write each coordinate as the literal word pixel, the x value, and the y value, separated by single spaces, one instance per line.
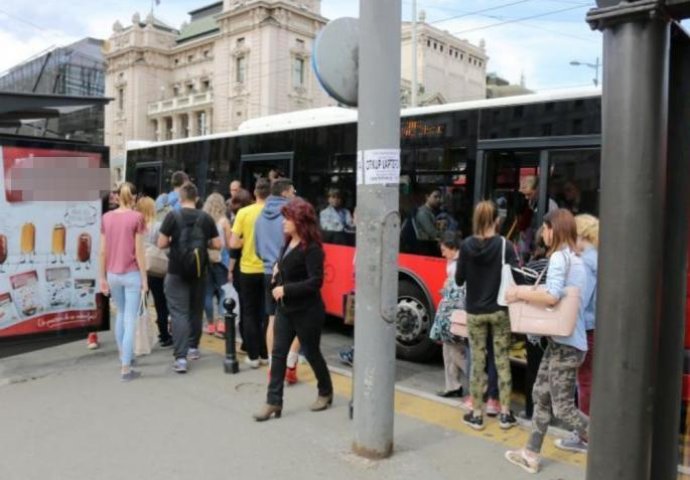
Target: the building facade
pixel 241 59
pixel 76 70
pixel 448 69
pixel 233 61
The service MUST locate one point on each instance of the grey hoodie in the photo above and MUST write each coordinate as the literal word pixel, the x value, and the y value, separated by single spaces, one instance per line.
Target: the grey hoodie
pixel 268 232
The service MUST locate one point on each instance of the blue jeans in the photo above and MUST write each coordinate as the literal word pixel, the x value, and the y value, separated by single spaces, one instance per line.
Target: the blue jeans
pixel 216 277
pixel 125 290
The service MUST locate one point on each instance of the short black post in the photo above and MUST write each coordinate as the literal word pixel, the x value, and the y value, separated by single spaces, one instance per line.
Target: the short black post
pixel 230 364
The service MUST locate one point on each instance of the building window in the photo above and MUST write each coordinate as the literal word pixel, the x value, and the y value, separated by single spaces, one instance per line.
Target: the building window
pixel 428 43
pixel 177 61
pixel 435 45
pixel 298 72
pixel 176 91
pixel 190 58
pixel 240 42
pixel 206 53
pixel 240 69
pixel 206 85
pixel 120 99
pixel 441 48
pixel 201 123
pixel 190 88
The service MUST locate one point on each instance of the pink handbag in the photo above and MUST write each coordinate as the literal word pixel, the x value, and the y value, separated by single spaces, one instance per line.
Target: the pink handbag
pixel 558 321
pixel 458 323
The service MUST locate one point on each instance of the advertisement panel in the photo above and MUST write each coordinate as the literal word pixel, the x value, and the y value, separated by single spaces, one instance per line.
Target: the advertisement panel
pixel 50 220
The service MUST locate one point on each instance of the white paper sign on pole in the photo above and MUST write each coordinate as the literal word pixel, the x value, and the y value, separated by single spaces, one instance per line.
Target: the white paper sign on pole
pixel 378 167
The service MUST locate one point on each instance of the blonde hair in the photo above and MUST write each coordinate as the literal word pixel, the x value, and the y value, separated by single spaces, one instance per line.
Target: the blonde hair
pixel 588 228
pixel 485 216
pixel 147 207
pixel 127 194
pixel 215 206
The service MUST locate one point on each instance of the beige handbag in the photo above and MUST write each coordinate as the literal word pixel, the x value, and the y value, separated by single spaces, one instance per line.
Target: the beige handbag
pixel 156 261
pixel 458 323
pixel 557 321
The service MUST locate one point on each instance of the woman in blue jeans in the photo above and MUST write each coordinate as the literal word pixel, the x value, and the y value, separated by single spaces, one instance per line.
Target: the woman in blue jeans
pixel 123 271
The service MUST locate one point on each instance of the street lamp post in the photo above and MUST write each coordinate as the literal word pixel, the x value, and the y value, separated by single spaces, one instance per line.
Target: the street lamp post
pixel 595 66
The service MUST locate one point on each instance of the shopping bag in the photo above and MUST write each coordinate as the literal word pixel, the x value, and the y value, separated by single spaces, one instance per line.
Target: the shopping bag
pixel 156 261
pixel 143 337
pixel 458 323
pixel 349 308
pixel 507 280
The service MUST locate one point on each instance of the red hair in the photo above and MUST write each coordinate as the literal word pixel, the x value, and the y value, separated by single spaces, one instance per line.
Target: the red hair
pixel 303 215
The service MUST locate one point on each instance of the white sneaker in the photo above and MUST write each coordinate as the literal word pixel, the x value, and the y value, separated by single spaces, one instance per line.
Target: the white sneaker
pixel 520 458
pixel 252 363
pixel 263 361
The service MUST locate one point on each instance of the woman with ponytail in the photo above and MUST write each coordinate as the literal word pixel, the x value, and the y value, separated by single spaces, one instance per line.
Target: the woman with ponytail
pixel 123 271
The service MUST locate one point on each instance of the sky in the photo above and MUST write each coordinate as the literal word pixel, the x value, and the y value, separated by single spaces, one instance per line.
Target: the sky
pixel 534 38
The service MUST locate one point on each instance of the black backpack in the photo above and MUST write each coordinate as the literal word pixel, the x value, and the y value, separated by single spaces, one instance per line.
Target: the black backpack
pixel 192 248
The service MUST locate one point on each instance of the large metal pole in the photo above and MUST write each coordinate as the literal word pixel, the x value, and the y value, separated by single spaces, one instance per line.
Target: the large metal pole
pixel 633 171
pixel 671 330
pixel 415 87
pixel 378 226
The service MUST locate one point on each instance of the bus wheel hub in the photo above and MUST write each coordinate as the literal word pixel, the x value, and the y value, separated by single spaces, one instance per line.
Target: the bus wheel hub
pixel 411 321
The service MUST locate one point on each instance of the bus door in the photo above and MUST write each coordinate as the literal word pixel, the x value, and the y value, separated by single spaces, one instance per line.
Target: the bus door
pixel 148 177
pixel 529 177
pixel 255 166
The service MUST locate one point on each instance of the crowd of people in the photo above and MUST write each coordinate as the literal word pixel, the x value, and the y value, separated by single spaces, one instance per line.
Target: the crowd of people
pixel 267 246
pixel 559 368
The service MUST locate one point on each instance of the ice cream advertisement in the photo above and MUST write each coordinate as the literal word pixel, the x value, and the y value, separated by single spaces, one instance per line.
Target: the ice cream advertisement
pixel 49 241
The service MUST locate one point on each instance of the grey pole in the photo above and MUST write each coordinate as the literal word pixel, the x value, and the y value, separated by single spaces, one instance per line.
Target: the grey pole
pixel 377 227
pixel 671 329
pixel 633 171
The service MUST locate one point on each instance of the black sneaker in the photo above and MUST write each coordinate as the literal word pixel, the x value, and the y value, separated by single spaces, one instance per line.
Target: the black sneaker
pixel 507 420
pixel 167 342
pixel 471 421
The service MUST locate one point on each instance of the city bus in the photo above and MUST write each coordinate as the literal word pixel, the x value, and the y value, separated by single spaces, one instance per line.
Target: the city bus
pixel 466 151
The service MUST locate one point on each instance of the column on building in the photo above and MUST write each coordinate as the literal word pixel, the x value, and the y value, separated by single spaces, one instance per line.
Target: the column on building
pixel 207 114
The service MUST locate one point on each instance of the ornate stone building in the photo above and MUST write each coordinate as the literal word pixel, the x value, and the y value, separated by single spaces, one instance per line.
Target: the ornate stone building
pixel 241 59
pixel 234 60
pixel 448 69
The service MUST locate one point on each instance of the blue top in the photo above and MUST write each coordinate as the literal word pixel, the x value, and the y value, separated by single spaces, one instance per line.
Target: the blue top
pixel 590 258
pixel 174 200
pixel 268 232
pixel 567 270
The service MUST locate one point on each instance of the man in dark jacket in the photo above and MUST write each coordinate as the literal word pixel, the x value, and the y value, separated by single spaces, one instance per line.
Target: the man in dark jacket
pixel 269 238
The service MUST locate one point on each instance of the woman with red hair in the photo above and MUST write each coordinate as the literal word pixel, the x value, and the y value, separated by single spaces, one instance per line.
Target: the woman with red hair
pixel 297 280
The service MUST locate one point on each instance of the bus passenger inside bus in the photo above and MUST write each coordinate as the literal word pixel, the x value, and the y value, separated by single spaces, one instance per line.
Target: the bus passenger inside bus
pixel 336 221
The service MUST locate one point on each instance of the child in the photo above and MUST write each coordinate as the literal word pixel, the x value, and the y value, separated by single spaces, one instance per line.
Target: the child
pixel 453 298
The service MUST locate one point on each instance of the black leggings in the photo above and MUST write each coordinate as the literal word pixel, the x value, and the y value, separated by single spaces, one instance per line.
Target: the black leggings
pixel 306 325
pixel 252 313
pixel 161 304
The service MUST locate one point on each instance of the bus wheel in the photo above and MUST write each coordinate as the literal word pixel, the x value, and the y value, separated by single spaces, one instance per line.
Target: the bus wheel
pixel 413 324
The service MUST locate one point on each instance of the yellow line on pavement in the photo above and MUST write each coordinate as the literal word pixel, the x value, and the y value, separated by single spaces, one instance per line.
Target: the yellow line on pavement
pixel 429 411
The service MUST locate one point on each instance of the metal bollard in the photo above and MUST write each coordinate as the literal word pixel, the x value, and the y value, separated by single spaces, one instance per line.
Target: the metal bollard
pixel 230 364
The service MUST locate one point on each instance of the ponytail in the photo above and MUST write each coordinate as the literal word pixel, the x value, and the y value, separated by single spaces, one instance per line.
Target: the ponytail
pixel 485 216
pixel 127 193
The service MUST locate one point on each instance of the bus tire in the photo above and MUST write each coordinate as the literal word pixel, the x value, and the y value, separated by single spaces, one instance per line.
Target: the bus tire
pixel 414 320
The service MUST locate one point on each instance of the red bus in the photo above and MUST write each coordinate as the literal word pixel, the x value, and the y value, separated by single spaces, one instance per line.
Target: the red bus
pixel 466 151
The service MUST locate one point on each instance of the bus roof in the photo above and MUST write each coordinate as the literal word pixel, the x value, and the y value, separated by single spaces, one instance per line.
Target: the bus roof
pixel 336 115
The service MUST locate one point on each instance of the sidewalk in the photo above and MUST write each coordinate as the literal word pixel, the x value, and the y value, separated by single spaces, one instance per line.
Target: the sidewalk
pixel 66 416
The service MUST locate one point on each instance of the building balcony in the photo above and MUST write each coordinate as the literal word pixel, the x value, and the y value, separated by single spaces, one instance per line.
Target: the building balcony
pixel 180 103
